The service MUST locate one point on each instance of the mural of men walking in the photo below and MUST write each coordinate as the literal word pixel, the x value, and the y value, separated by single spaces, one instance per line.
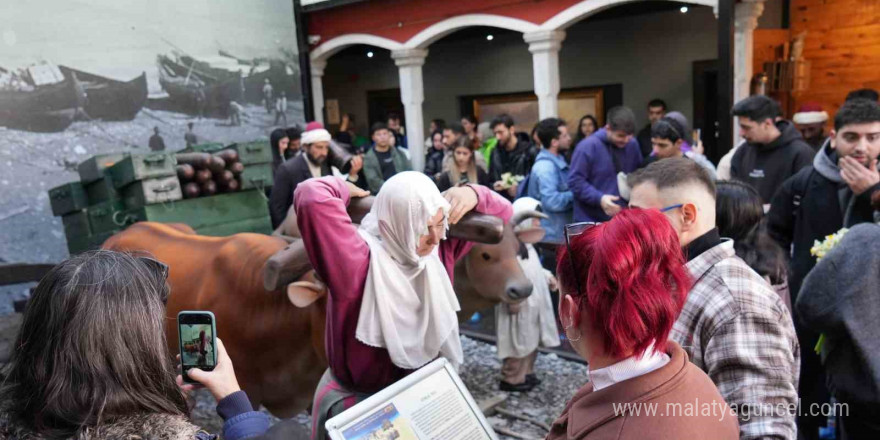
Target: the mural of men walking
pixel 235 111
pixel 267 96
pixel 190 137
pixel 200 101
pixel 281 109
pixel 156 141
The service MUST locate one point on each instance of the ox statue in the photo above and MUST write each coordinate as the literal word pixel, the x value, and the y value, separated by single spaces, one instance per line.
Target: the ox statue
pixel 490 273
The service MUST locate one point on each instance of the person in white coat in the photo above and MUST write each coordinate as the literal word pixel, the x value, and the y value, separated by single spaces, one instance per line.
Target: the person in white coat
pixel 525 326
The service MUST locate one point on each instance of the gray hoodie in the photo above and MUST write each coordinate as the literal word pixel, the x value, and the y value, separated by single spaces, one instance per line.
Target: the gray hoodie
pixel 825 163
pixel 841 299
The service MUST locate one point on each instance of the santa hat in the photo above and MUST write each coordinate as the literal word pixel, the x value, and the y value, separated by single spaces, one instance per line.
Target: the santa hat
pixel 314 125
pixel 316 135
pixel 810 113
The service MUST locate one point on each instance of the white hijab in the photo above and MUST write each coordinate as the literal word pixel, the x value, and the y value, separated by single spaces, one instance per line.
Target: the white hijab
pixel 409 307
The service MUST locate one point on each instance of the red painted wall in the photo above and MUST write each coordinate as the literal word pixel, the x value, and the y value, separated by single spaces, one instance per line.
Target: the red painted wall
pixel 399 20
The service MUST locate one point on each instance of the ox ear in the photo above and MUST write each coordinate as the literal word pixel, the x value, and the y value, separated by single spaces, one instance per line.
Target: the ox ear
pixel 305 292
pixel 530 235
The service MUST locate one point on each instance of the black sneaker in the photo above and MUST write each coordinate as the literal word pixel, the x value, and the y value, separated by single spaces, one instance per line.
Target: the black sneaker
pixel 517 388
pixel 533 379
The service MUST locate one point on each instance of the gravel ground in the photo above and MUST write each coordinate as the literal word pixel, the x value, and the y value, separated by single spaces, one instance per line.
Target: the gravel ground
pixel 32 163
pixel 480 373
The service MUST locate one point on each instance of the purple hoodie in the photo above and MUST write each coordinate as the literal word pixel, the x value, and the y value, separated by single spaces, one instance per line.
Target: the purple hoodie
pixel 593 173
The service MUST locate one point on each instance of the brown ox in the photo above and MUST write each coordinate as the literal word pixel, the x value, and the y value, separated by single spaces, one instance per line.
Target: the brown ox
pixel 490 273
pixel 276 347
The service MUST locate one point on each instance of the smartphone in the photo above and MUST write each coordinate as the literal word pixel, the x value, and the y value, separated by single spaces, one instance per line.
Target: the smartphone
pixel 197 338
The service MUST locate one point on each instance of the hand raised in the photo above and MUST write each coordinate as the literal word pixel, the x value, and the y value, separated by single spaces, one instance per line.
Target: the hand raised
pixel 463 199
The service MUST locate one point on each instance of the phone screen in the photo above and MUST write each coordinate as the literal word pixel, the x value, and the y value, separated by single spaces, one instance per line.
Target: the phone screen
pixel 197 341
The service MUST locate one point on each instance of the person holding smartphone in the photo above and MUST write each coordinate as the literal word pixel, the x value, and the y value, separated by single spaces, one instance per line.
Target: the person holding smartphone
pixel 91 360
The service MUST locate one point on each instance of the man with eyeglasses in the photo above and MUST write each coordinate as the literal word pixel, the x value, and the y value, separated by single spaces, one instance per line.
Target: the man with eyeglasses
pixel 818 201
pixel 733 325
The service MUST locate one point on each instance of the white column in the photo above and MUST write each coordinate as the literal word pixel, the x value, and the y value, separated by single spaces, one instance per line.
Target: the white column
pixel 746 15
pixel 412 93
pixel 544 46
pixel 317 70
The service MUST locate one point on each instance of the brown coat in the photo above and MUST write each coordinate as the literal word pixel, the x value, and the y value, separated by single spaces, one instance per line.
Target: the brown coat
pixel 686 403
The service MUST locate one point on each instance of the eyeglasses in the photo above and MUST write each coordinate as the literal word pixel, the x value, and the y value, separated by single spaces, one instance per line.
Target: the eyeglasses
pixel 573 230
pixel 161 268
pixel 670 208
pixel 156 266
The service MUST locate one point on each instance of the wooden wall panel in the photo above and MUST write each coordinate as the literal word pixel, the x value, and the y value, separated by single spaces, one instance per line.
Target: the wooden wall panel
pixel 842 45
pixel 765 41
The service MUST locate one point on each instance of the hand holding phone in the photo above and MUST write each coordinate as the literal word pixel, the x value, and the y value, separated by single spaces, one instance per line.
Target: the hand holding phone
pixel 197 334
pixel 221 381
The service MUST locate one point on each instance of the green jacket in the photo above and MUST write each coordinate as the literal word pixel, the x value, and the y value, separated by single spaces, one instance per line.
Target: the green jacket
pixel 487 149
pixel 373 171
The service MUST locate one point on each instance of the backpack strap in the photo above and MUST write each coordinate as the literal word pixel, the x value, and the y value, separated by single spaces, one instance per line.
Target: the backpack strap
pixel 799 190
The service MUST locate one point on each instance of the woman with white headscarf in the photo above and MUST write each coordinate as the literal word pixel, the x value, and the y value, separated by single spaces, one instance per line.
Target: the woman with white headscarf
pixel 391 308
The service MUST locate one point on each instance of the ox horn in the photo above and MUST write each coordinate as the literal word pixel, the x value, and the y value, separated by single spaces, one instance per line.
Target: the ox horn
pixel 286 266
pixel 359 207
pixel 479 228
pixel 523 215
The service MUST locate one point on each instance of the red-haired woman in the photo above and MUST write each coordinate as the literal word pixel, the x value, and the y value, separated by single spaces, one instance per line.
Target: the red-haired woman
pixel 623 284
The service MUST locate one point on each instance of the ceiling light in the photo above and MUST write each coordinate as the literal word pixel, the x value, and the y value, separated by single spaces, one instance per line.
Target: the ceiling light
pixel 490 37
pixel 370 54
pixel 684 9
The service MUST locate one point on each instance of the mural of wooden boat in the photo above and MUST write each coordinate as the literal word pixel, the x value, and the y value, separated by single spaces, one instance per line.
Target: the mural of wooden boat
pixel 242 79
pixel 41 108
pixel 281 74
pixel 191 88
pixel 109 99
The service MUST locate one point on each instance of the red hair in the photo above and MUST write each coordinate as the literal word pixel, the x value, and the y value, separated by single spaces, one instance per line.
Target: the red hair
pixel 633 278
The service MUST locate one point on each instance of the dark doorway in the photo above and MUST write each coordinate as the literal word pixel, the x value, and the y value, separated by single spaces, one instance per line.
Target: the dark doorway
pixel 706 106
pixel 382 102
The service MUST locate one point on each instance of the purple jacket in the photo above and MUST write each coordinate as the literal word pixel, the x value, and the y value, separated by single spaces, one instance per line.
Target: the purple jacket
pixel 341 257
pixel 593 173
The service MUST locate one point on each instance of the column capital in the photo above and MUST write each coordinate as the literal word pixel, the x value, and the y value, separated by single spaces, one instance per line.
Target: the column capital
pixel 746 14
pixel 317 67
pixel 409 57
pixel 544 41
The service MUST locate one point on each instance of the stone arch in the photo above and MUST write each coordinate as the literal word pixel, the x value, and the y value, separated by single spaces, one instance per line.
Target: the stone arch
pixel 334 45
pixel 441 29
pixel 586 8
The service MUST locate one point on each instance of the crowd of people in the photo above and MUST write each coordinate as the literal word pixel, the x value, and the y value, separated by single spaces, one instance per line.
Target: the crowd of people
pixel 679 282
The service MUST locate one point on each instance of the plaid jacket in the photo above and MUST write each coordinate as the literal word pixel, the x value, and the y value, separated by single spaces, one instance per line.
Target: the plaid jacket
pixel 735 327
